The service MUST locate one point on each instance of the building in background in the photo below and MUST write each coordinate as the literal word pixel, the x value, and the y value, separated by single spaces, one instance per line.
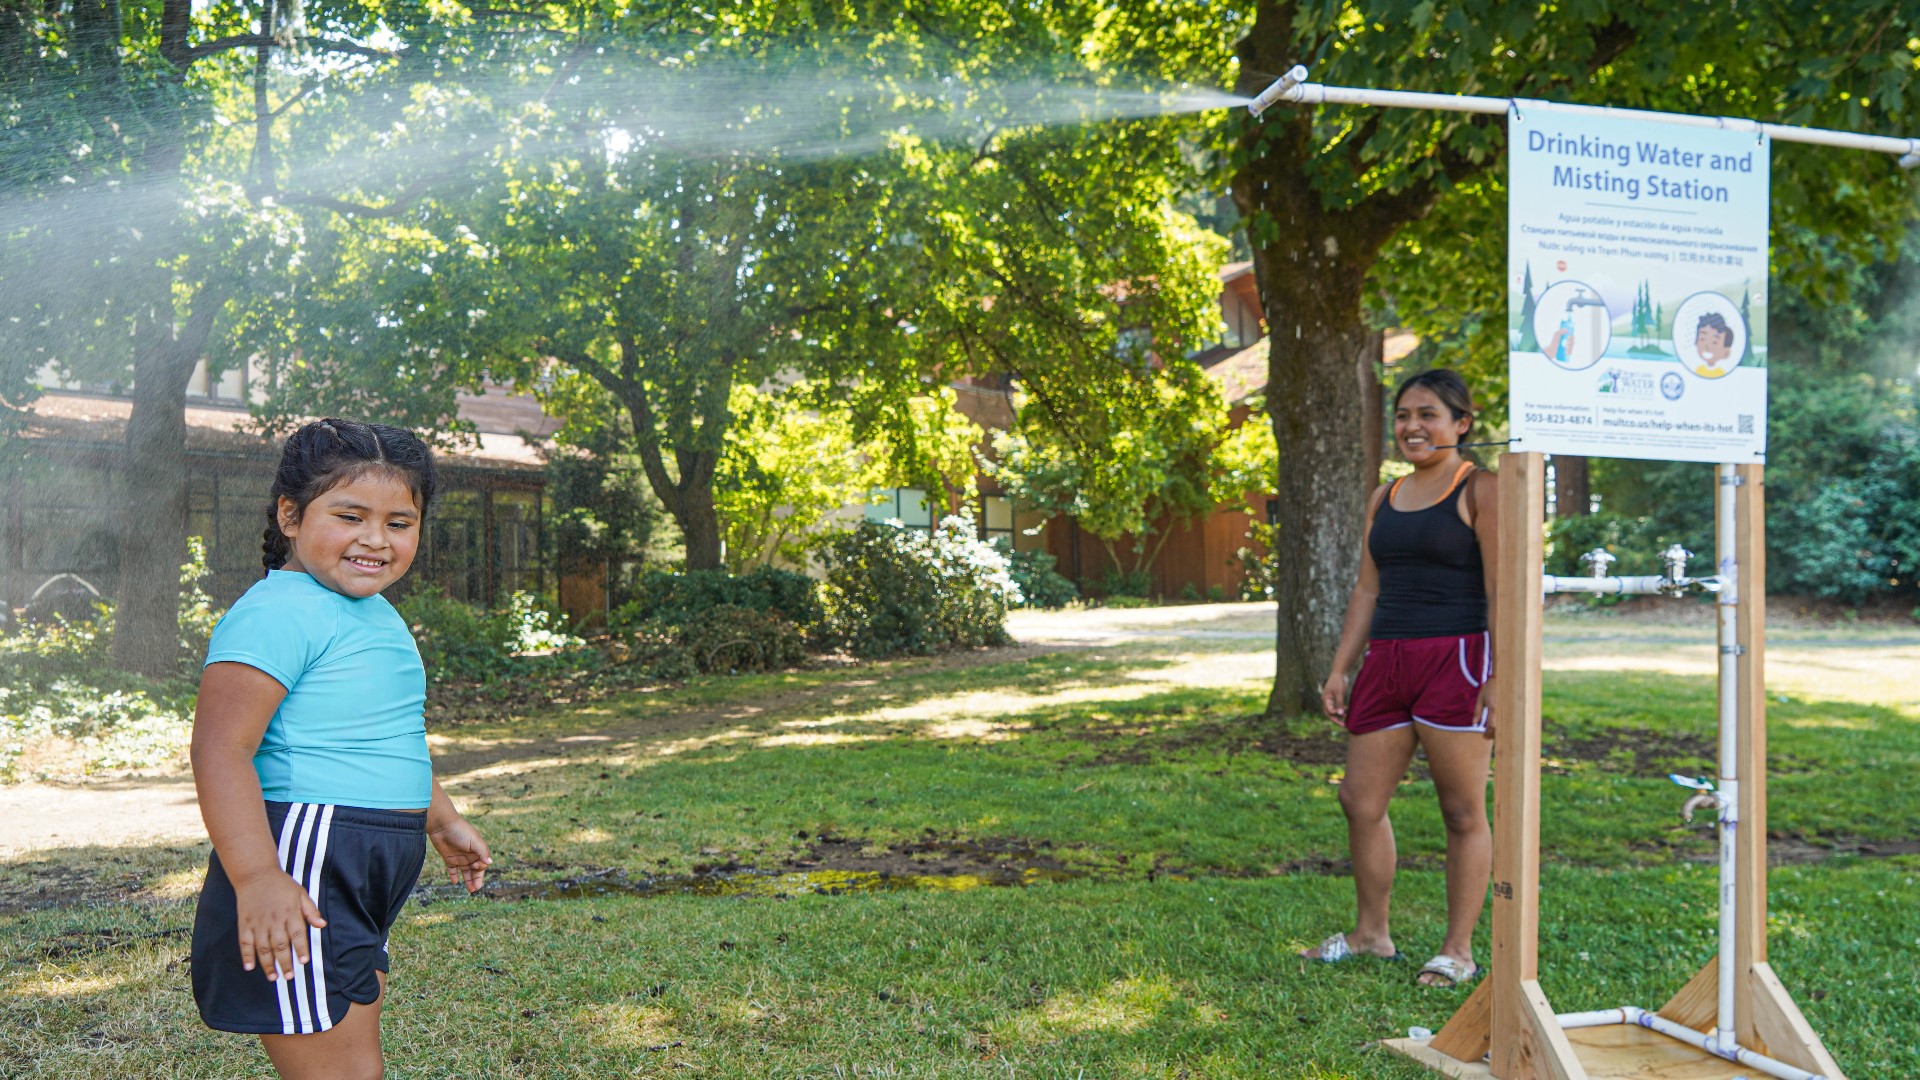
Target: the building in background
pixel 484 537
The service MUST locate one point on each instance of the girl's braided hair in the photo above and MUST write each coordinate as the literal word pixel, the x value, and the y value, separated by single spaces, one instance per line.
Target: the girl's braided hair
pixel 327 453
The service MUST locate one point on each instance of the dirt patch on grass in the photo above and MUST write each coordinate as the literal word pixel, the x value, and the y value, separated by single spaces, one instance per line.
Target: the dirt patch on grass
pixel 1179 736
pixel 1639 751
pixel 830 865
pixel 459 756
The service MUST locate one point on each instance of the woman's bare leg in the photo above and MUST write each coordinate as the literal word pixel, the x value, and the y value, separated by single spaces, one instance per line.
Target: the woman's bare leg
pixel 350 1050
pixel 1376 762
pixel 1458 760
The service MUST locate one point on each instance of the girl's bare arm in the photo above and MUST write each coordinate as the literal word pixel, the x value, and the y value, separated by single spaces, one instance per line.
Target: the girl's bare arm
pixel 460 845
pixel 236 701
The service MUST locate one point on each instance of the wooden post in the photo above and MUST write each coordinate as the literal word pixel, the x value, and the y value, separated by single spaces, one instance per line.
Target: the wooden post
pixel 1508 1018
pixel 1527 1043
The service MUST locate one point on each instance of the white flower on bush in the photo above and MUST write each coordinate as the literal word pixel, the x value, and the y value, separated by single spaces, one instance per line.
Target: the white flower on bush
pixel 956 543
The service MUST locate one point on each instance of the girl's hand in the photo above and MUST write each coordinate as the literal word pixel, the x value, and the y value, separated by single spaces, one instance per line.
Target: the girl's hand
pixel 1483 705
pixel 464 851
pixel 1333 697
pixel 274 913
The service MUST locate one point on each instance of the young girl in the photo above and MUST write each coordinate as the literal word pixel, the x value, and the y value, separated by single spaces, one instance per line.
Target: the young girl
pixel 1420 612
pixel 310 759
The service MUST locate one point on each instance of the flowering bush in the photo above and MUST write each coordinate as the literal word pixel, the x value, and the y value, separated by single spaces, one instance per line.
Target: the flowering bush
pixel 891 589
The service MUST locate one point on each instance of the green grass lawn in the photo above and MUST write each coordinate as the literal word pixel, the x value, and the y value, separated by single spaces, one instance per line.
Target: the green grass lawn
pixel 1209 844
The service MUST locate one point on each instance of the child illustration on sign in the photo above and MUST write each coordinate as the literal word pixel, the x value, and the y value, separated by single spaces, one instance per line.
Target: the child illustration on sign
pixel 1713 340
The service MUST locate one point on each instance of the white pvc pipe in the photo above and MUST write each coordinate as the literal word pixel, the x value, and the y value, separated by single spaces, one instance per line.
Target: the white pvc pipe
pixel 1728 606
pixel 1700 1040
pixel 1306 93
pixel 1605 586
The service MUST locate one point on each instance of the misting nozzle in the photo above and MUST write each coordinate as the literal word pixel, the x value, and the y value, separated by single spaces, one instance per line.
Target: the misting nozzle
pixel 1278 90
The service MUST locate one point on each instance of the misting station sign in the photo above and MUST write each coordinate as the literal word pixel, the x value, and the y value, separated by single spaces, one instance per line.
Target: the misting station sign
pixel 1637 263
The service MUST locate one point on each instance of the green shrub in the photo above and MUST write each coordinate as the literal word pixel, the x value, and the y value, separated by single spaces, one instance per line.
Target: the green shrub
pixel 657 650
pixel 459 641
pixel 676 599
pixel 1040 586
pixel 1636 542
pixel 1136 583
pixel 1119 601
pixel 728 638
pixel 1257 567
pixel 891 589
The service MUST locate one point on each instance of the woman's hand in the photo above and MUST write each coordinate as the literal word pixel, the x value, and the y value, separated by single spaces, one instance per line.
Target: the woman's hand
pixel 274 913
pixel 1333 697
pixel 464 851
pixel 1483 706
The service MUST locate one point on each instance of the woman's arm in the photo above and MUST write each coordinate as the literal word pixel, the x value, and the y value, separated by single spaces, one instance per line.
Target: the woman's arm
pixel 1353 634
pixel 235 703
pixel 1486 529
pixel 460 845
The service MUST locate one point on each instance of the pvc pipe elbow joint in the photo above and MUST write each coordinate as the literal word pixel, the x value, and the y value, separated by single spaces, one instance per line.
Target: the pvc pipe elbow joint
pixel 1278 91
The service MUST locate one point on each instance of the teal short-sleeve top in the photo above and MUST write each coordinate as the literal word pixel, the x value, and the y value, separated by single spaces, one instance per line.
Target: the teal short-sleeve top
pixel 352 728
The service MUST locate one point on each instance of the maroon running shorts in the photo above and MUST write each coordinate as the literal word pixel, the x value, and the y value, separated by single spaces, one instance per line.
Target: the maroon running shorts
pixel 1433 681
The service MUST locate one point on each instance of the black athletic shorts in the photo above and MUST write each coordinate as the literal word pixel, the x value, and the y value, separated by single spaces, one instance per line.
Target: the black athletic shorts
pixel 358 865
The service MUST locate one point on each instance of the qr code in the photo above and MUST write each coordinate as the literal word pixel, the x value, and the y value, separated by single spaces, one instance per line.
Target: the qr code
pixel 1746 423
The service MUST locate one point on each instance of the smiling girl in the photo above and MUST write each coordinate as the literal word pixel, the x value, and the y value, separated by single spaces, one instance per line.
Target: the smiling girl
pixel 1419 613
pixel 310 759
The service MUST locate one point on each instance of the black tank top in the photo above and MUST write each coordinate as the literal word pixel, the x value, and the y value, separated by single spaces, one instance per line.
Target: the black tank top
pixel 1431 581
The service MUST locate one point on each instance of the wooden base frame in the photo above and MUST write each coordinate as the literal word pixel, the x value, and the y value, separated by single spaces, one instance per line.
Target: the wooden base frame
pixel 1506 1028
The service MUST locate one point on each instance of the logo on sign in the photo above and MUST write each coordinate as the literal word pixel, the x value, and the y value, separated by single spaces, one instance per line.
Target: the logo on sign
pixel 1619 383
pixel 1672 385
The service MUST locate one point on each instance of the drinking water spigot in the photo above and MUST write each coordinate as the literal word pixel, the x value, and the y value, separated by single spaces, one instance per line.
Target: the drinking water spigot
pixel 1597 562
pixel 1674 581
pixel 1704 798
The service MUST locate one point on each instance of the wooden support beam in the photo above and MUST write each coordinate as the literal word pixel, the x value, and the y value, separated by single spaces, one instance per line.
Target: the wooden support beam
pixel 1750 897
pixel 1697 1005
pixel 1521 1051
pixel 1544 1051
pixel 1469 1034
pixel 1781 1028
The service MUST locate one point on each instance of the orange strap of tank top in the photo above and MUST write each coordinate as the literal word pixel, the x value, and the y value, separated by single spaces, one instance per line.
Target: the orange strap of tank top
pixel 1458 475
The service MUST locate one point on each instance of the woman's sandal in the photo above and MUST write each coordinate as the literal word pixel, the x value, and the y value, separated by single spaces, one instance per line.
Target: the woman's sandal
pixel 1335 949
pixel 1455 972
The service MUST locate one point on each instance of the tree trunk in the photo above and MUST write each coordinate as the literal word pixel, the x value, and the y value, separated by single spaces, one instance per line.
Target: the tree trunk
pixel 1572 491
pixel 701 527
pixel 1373 400
pixel 153 529
pixel 1323 484
pixel 1311 256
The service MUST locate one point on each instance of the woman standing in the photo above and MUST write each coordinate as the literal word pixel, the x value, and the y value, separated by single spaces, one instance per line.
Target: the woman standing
pixel 1420 614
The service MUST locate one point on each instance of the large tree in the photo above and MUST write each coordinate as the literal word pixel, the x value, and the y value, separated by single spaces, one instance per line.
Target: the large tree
pixel 129 227
pixel 1343 203
pixel 776 192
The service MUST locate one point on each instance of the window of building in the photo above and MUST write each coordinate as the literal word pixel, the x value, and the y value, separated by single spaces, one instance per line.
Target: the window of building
pixel 908 506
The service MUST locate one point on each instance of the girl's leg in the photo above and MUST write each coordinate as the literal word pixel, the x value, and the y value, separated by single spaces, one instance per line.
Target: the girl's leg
pixel 1376 762
pixel 350 1050
pixel 1458 760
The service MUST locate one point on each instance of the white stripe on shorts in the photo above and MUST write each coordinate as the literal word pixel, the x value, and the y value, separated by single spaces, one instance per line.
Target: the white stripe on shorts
pixel 298 872
pixel 265 956
pixel 318 958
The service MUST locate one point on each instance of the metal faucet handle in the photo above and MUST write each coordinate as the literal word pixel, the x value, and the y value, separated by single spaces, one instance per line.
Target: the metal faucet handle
pixel 1675 558
pixel 1598 560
